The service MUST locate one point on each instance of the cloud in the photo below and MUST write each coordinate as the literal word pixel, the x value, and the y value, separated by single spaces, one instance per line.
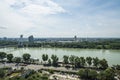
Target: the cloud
pixel 36 7
pixel 16 24
pixel 23 15
pixel 60 18
pixel 1 27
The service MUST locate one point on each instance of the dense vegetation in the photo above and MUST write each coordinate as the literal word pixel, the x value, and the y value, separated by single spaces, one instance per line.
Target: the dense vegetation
pixel 109 44
pixel 5 43
pixel 76 62
pixel 102 44
pixel 89 74
pixel 33 75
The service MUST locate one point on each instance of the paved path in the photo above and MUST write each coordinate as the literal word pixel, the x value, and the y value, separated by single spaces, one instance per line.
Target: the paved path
pixel 37 67
pixel 7 65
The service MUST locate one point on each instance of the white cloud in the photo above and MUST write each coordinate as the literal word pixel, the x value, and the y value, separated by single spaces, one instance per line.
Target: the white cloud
pixel 13 17
pixel 45 18
pixel 36 7
pixel 15 24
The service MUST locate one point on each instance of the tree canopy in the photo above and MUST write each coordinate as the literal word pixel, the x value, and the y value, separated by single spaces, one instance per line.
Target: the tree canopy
pixel 26 57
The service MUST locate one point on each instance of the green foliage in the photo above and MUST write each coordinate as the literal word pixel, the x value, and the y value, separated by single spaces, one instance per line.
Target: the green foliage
pixel 82 59
pixel 87 74
pixel 54 60
pixel 108 74
pixel 9 57
pixel 72 59
pixel 89 60
pixel 17 59
pixel 26 57
pixel 51 71
pixel 96 62
pixel 103 64
pixel 117 67
pixel 44 77
pixel 49 62
pixel 100 44
pixel 2 73
pixel 4 43
pixel 92 74
pixel 22 68
pixel 82 73
pixel 31 76
pixel 65 59
pixel 77 62
pixel 2 55
pixel 115 45
pixel 44 57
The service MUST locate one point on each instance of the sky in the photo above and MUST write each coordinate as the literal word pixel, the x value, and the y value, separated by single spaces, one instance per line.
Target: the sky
pixel 60 18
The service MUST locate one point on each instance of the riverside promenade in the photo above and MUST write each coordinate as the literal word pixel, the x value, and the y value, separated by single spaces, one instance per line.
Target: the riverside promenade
pixel 37 67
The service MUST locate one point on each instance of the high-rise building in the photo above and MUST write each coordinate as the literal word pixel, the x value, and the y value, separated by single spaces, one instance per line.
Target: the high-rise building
pixel 21 38
pixel 20 42
pixel 31 39
pixel 75 38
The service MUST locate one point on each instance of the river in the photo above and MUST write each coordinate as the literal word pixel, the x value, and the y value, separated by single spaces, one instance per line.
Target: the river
pixel 112 56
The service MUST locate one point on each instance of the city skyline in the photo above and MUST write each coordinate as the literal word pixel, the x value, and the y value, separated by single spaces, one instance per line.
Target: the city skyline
pixel 59 18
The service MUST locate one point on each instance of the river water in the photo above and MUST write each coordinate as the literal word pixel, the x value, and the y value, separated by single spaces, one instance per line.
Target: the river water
pixel 112 56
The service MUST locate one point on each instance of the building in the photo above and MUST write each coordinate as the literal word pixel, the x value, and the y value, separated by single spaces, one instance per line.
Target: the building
pixel 31 39
pixel 75 38
pixel 20 41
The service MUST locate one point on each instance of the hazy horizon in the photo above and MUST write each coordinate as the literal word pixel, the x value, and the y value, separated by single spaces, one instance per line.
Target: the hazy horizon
pixel 64 37
pixel 60 18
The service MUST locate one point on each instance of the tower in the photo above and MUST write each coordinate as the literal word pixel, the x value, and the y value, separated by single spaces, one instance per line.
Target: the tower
pixel 31 39
pixel 75 38
pixel 20 41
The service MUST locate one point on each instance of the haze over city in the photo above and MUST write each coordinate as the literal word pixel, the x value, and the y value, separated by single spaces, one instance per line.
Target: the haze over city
pixel 60 18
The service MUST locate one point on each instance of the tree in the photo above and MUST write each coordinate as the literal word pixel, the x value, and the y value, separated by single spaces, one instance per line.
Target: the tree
pixel 103 64
pixel 77 62
pixel 92 75
pixel 49 62
pixel 101 76
pixel 83 73
pixel 89 60
pixel 9 57
pixel 72 59
pixel 26 57
pixel 117 67
pixel 2 73
pixel 17 59
pixel 44 57
pixel 82 61
pixel 108 74
pixel 96 62
pixel 65 59
pixel 87 74
pixel 54 60
pixel 2 55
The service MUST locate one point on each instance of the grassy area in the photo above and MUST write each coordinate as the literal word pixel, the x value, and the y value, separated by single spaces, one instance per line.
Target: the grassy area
pixel 33 76
pixel 38 76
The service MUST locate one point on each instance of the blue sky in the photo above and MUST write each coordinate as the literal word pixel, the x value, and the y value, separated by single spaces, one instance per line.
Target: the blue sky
pixel 60 18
